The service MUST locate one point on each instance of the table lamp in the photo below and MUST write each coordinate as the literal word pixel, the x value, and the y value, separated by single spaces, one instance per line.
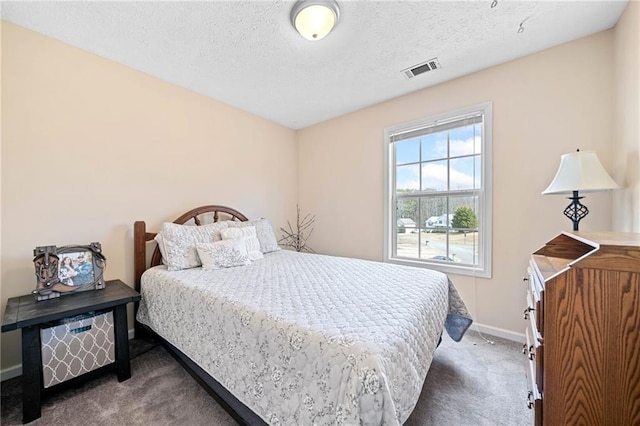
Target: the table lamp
pixel 579 171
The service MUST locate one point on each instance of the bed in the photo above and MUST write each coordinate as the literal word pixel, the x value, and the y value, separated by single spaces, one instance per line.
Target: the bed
pixel 295 338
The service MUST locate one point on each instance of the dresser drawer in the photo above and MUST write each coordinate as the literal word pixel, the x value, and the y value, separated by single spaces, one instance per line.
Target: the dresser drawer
pixel 531 314
pixel 536 290
pixel 534 351
pixel 534 397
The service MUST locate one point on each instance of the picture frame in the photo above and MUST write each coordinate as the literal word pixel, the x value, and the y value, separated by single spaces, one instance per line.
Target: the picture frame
pixel 68 269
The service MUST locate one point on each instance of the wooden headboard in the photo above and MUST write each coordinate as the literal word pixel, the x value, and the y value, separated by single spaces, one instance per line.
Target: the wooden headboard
pixel 141 237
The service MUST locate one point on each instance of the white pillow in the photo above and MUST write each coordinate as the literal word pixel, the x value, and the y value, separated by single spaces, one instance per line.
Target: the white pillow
pixel 160 242
pixel 246 234
pixel 264 232
pixel 223 254
pixel 178 243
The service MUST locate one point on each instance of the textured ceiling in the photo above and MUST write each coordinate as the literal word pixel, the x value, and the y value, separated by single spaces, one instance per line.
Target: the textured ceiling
pixel 246 53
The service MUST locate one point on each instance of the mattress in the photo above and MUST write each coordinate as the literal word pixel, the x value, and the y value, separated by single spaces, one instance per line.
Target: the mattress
pixel 309 339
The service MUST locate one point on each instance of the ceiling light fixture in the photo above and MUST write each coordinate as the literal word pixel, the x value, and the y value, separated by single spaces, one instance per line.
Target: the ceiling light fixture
pixel 314 19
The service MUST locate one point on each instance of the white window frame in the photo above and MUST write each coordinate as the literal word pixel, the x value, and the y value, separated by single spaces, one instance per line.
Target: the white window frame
pixel 483 269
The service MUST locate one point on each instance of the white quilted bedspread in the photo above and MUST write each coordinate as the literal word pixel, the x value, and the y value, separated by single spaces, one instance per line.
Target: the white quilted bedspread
pixel 306 339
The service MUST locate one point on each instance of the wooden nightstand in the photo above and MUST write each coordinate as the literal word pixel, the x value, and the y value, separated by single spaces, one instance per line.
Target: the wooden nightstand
pixel 26 313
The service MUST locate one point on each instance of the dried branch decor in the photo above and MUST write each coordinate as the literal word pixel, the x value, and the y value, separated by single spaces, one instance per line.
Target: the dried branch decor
pixel 297 239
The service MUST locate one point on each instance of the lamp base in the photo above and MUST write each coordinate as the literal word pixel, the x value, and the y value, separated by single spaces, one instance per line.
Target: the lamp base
pixel 576 211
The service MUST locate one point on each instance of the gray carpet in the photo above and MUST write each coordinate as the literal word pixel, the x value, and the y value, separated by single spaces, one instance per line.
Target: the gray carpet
pixel 470 383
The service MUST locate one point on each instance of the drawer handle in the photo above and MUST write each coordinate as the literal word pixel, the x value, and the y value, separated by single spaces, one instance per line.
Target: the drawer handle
pixel 526 312
pixel 528 351
pixel 529 400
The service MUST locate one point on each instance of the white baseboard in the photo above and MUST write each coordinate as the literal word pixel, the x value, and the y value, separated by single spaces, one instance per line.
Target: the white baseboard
pixel 16 370
pixel 11 372
pixel 498 332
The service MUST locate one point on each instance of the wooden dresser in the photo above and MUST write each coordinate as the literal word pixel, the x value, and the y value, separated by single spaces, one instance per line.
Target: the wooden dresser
pixel 583 330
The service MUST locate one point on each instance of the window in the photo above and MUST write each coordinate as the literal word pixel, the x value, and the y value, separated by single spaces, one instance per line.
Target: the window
pixel 438 192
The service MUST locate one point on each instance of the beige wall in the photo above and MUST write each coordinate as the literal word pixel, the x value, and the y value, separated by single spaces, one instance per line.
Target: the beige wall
pixel 626 120
pixel 90 146
pixel 544 105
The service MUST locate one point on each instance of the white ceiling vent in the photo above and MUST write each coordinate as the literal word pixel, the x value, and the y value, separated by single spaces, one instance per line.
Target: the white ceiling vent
pixel 416 70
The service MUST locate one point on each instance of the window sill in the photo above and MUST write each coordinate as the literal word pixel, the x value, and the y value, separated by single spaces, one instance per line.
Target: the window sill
pixel 443 267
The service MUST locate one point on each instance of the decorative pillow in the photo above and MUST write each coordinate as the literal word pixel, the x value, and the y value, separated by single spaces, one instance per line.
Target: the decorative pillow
pixel 264 232
pixel 178 243
pixel 246 234
pixel 223 254
pixel 160 242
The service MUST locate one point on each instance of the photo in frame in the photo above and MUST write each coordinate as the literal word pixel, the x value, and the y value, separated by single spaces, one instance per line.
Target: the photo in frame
pixel 68 269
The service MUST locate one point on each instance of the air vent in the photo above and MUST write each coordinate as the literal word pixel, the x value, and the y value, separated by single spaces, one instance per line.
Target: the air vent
pixel 416 70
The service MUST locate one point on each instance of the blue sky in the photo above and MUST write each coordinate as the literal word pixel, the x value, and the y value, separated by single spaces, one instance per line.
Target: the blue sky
pixel 464 172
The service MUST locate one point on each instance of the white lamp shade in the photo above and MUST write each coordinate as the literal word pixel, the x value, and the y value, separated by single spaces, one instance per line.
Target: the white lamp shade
pixel 580 171
pixel 314 19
